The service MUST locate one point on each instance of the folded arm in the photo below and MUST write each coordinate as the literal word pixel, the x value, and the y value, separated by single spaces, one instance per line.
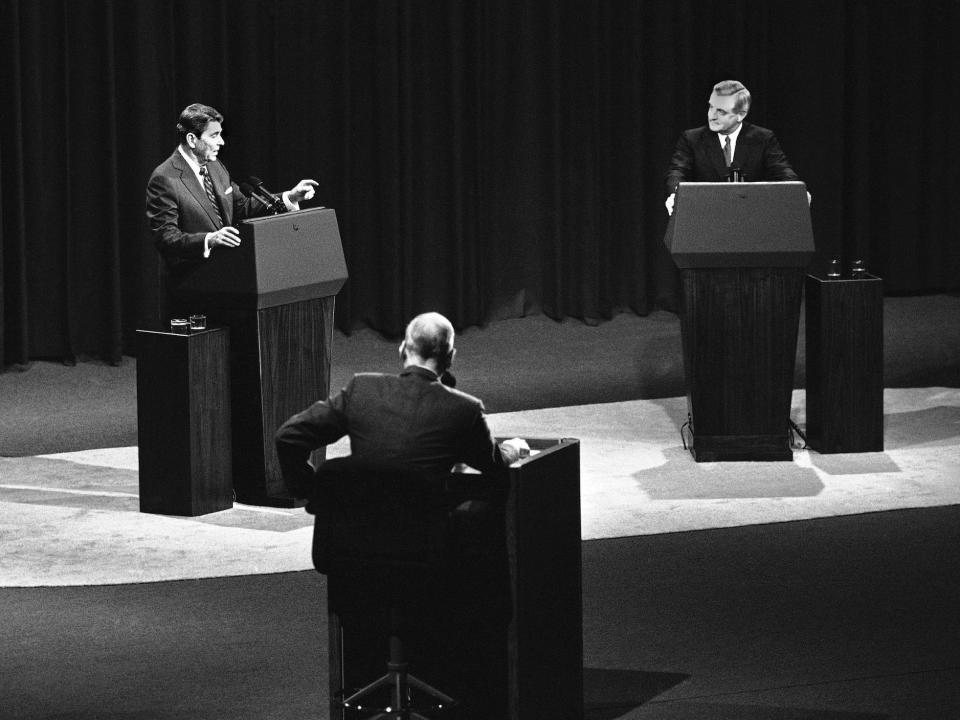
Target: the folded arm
pixel 320 424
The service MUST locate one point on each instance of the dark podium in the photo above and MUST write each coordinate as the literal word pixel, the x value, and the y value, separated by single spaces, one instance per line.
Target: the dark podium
pixel 183 422
pixel 844 336
pixel 276 294
pixel 742 249
pixel 541 673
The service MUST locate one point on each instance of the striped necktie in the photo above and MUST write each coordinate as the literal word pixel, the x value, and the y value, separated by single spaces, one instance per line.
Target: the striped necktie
pixel 208 187
pixel 727 154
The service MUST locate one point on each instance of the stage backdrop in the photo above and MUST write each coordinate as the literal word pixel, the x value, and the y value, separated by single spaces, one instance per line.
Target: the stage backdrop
pixel 487 158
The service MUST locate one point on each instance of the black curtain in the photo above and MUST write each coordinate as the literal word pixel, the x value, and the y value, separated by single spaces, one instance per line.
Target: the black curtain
pixel 487 158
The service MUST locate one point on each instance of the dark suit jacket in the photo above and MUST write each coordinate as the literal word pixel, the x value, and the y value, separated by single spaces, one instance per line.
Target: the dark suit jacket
pixel 698 157
pixel 410 418
pixel 181 215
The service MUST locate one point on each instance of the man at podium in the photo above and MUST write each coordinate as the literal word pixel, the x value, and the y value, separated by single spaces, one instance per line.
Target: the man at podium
pixel 727 148
pixel 191 201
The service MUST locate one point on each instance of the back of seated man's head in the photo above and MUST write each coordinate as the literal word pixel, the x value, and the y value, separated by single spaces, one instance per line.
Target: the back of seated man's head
pixel 428 341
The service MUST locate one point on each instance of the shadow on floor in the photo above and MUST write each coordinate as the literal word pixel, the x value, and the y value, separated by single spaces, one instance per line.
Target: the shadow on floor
pixel 608 694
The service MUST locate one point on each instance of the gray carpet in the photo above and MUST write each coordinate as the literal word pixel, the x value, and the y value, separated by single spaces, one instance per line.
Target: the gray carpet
pixel 520 364
pixel 841 618
pixel 845 618
pixel 74 518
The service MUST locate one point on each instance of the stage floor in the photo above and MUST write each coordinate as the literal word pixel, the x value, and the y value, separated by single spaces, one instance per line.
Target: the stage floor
pixel 73 518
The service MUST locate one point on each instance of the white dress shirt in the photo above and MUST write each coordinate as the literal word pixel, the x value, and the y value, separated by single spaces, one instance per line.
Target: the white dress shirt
pixel 733 140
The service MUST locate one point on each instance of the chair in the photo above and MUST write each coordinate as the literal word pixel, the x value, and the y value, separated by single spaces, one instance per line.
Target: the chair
pixel 384 528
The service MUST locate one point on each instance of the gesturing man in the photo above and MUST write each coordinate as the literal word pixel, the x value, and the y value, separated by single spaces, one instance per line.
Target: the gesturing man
pixel 192 204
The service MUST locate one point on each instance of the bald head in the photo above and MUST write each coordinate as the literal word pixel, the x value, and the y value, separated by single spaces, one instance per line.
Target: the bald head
pixel 428 342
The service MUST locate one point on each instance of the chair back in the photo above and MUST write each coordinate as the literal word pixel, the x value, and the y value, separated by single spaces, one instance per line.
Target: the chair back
pixel 378 518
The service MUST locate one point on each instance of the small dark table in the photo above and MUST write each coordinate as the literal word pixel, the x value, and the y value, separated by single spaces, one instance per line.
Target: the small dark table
pixel 844 336
pixel 183 422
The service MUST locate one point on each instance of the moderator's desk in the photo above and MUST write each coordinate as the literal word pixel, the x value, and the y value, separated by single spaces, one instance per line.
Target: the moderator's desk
pixel 543 643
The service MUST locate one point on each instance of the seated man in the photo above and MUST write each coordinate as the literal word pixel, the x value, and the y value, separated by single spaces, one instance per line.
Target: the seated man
pixel 410 418
pixel 414 419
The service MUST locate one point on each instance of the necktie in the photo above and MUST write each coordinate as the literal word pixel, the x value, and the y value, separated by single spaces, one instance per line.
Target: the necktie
pixel 727 152
pixel 208 187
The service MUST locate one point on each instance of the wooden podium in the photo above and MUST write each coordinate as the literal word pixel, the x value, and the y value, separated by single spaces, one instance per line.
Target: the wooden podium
pixel 844 335
pixel 276 294
pixel 741 249
pixel 183 422
pixel 541 674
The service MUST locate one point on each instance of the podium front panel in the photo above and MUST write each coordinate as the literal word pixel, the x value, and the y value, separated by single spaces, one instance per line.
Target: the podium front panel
pixel 740 225
pixel 281 259
pixel 739 331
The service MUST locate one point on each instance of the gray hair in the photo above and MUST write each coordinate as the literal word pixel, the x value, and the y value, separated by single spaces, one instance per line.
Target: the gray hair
pixel 734 87
pixel 430 336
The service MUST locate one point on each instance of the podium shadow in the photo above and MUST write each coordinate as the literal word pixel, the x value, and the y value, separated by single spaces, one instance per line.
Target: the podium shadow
pixel 682 478
pixel 609 694
pixel 939 425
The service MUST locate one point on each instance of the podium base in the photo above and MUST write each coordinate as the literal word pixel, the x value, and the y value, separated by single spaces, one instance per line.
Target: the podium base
pixel 277 501
pixel 730 448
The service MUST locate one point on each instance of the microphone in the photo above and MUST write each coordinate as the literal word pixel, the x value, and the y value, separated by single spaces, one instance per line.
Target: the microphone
pixel 734 174
pixel 265 196
pixel 250 191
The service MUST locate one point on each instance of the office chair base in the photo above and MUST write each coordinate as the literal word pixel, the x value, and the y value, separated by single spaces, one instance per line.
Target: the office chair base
pixel 399 683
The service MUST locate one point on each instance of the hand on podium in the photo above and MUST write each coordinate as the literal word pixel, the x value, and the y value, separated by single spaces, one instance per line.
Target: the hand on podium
pixel 668 203
pixel 226 236
pixel 514 449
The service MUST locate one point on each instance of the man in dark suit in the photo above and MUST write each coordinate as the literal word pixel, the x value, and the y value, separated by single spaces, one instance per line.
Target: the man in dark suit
pixel 411 418
pixel 726 144
pixel 415 419
pixel 192 202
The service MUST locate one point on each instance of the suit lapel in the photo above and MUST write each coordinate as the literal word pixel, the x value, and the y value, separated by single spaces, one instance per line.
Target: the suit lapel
pixel 744 149
pixel 715 153
pixel 192 185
